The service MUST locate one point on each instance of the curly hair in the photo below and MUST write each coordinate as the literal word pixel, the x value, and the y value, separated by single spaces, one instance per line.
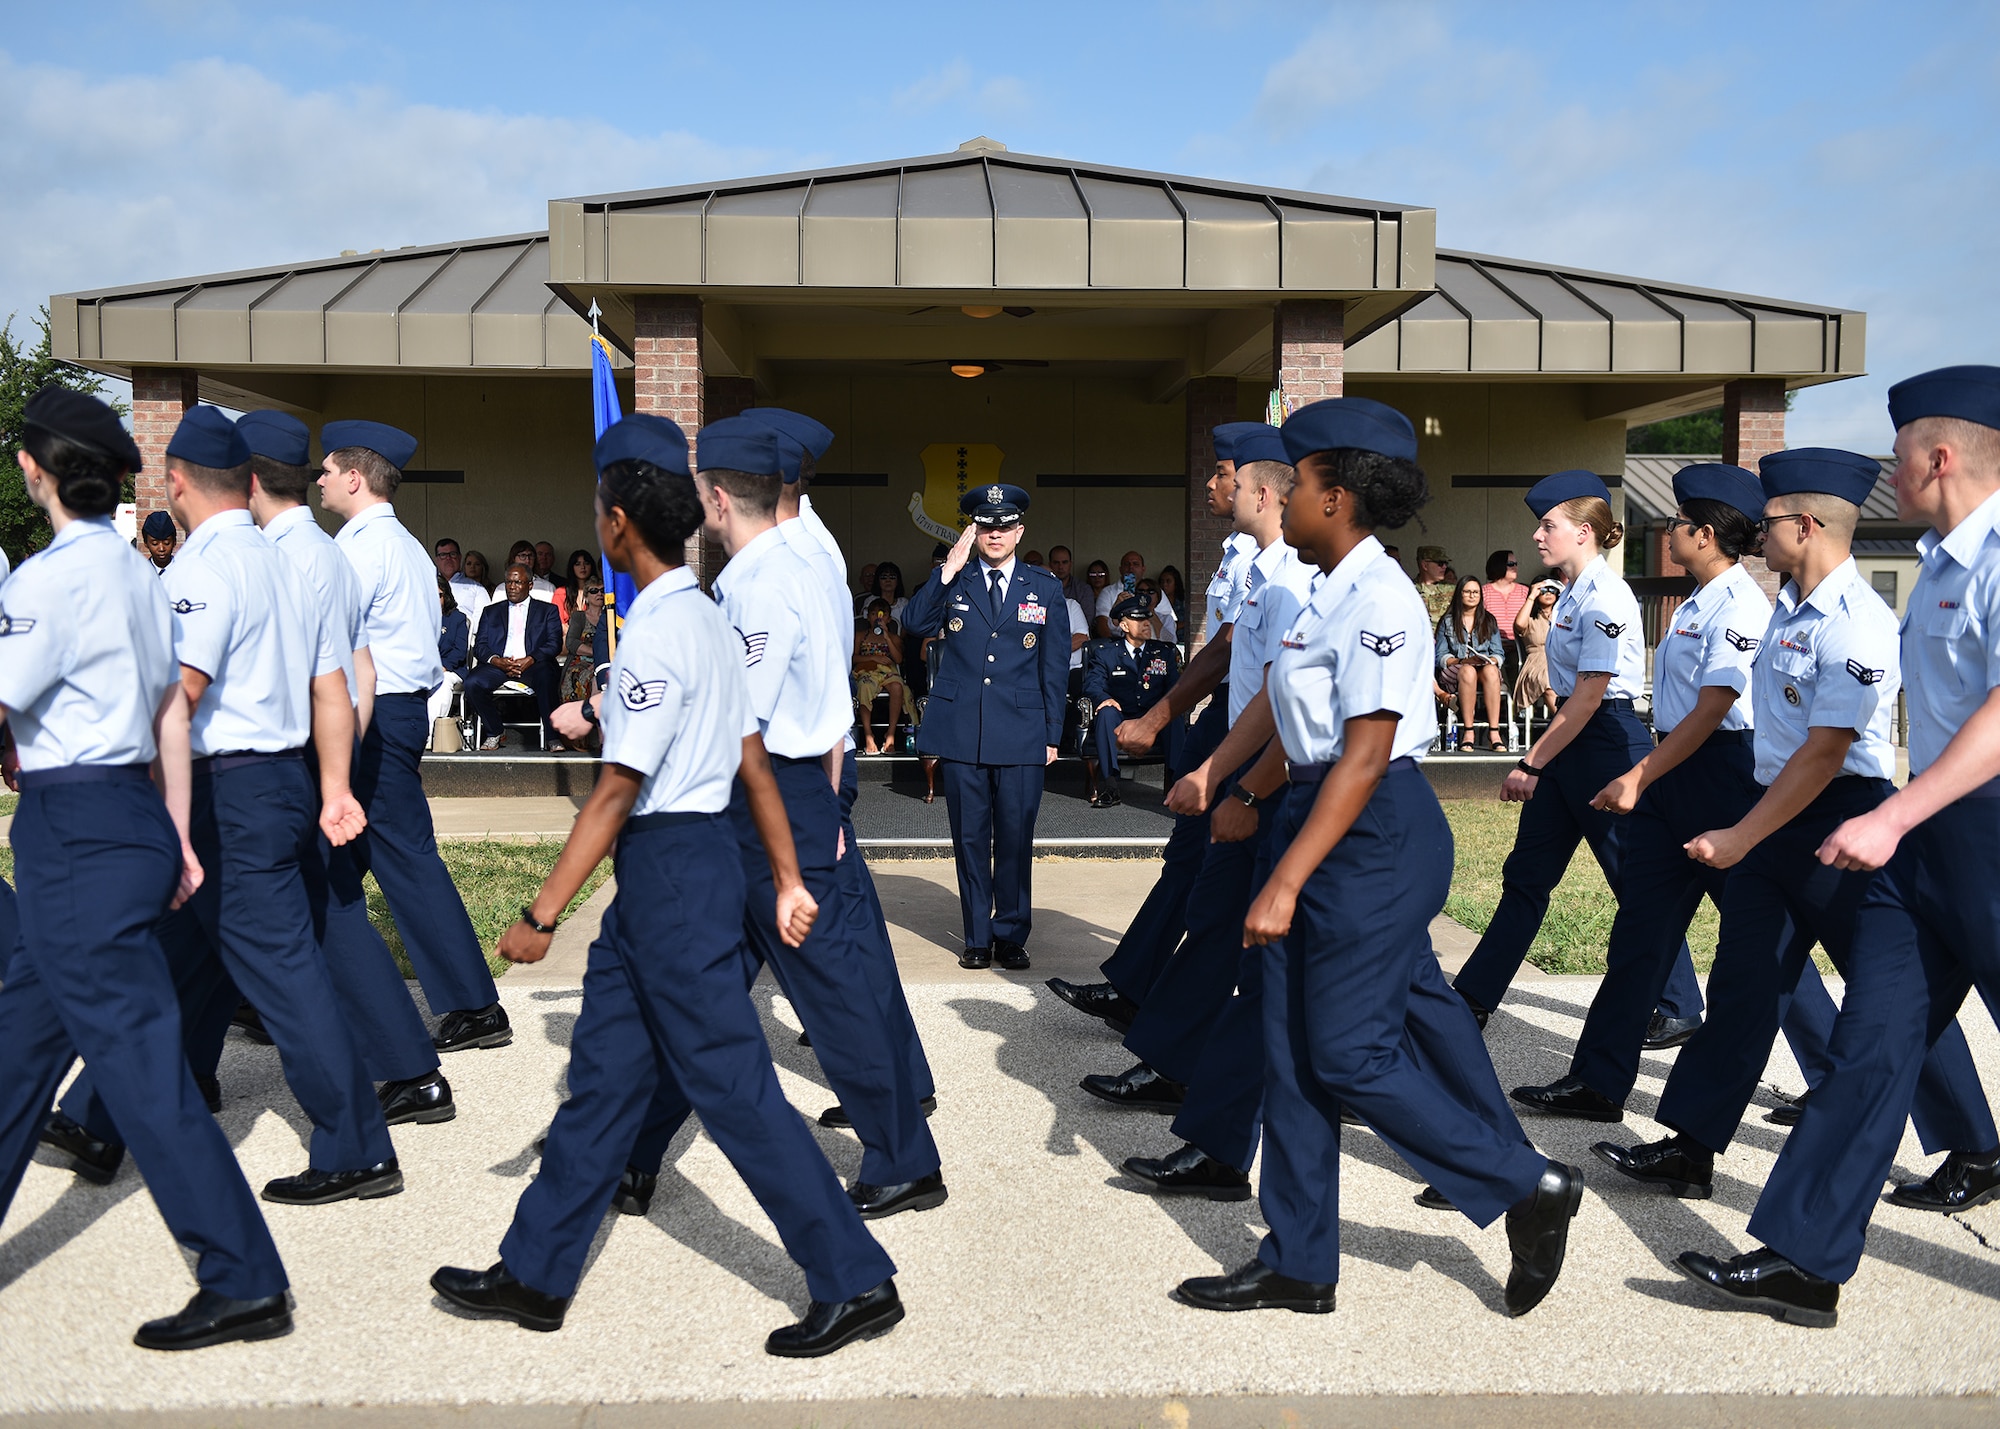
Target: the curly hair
pixel 1387 491
pixel 663 505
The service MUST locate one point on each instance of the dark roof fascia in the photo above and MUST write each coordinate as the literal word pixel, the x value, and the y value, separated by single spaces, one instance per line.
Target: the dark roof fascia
pixel 1650 285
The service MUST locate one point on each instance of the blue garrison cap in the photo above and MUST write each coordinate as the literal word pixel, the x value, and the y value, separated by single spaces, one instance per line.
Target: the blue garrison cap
pixel 1713 481
pixel 1970 393
pixel 1226 434
pixel 81 418
pixel 276 435
pixel 1826 471
pixel 207 438
pixel 813 435
pixel 1552 491
pixel 643 437
pixel 1263 442
pixel 394 446
pixel 995 505
pixel 1135 606
pixel 739 444
pixel 1358 422
pixel 159 527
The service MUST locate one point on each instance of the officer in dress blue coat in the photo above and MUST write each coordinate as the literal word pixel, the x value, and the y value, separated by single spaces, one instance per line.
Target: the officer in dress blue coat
pixel 1357 1012
pixel 995 715
pixel 665 1001
pixel 1824 685
pixel 1929 925
pixel 91 691
pixel 1123 678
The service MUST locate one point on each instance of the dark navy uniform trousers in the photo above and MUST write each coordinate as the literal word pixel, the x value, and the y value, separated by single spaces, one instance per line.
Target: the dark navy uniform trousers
pixel 1927 931
pixel 1553 823
pixel 866 925
pixel 98 860
pixel 993 809
pixel 1357 1012
pixel 665 1015
pixel 829 984
pixel 1782 882
pixel 1157 928
pixel 250 927
pixel 1662 887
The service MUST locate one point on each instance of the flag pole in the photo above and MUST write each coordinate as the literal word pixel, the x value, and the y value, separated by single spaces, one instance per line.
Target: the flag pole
pixel 610 596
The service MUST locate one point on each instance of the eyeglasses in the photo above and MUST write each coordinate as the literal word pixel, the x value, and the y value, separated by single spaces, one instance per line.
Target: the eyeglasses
pixel 1513 565
pixel 1804 519
pixel 1674 522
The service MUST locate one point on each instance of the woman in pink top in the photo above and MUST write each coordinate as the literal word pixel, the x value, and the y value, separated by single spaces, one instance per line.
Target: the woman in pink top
pixel 1503 596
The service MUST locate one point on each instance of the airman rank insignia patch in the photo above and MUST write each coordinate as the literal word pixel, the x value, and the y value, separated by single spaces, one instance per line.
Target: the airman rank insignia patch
pixel 1614 631
pixel 753 647
pixel 1028 641
pixel 1383 645
pixel 955 625
pixel 1745 643
pixel 188 607
pixel 15 625
pixel 1863 674
pixel 640 695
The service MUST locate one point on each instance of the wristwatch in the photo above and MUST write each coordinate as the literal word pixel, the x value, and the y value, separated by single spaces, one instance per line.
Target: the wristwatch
pixel 528 917
pixel 1248 799
pixel 1528 769
pixel 589 710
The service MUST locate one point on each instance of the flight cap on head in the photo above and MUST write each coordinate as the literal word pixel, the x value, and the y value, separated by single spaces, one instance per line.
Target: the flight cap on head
pixel 1433 553
pixel 1823 471
pixel 997 505
pixel 207 438
pixel 1227 434
pixel 1971 393
pixel 80 418
pixel 814 436
pixel 643 437
pixel 277 435
pixel 1358 422
pixel 1715 481
pixel 1134 606
pixel 1575 484
pixel 1263 442
pixel 159 527
pixel 738 444
pixel 392 444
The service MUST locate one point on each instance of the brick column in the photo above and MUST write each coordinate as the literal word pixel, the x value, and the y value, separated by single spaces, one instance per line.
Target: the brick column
pixel 1753 425
pixel 161 396
pixel 1308 350
pixel 727 397
pixel 1211 401
pixel 667 381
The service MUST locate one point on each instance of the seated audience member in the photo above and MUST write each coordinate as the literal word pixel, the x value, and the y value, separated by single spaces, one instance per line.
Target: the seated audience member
pixel 579 573
pixel 1503 596
pixel 453 645
pixel 878 657
pixel 586 647
pixel 889 587
pixel 469 593
pixel 519 638
pixel 545 563
pixel 1123 678
pixel 1096 581
pixel 1062 565
pixel 1434 581
pixel 522 553
pixel 478 572
pixel 156 539
pixel 1468 662
pixel 1033 558
pixel 864 590
pixel 1172 589
pixel 1166 625
pixel 1531 628
pixel 1131 570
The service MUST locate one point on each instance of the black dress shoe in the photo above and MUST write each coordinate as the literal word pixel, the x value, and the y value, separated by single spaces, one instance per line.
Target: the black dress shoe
pixel 634 1196
pixel 211 1092
pixel 90 1158
pixel 418 1099
pixel 322 1188
pixel 1664 1032
pixel 1256 1287
pixel 976 958
pixel 1097 999
pixel 837 1117
pixel 874 1202
pixel 212 1319
pixel 1140 1088
pixel 1963 1180
pixel 1107 798
pixel 1479 1014
pixel 1189 1171
pixel 493 1294
pixel 1790 1112
pixel 1681 1166
pixel 1764 1280
pixel 805 1039
pixel 250 1023
pixel 1010 955
pixel 1571 1098
pixel 1348 1118
pixel 1432 1199
pixel 827 1327
pixel 1538 1234
pixel 479 1027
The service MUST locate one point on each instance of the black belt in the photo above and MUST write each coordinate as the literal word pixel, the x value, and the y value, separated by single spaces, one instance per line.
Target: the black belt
pixel 643 822
pixel 1721 738
pixel 1625 705
pixel 83 774
pixel 241 759
pixel 1314 773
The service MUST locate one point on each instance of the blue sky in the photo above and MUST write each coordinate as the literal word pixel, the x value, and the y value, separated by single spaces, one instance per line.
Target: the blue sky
pixel 1837 153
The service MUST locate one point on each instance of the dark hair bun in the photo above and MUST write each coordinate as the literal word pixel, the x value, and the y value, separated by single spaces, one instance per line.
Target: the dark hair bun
pixel 662 504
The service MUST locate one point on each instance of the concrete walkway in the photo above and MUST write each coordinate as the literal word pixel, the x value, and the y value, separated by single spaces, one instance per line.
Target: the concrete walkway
pixel 1038 1294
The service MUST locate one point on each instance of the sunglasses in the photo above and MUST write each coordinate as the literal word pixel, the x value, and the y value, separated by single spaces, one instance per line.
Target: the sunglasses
pixel 1513 565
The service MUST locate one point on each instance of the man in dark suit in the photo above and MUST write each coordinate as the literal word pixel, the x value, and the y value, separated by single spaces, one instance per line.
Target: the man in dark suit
pixel 995 714
pixel 1123 678
pixel 518 639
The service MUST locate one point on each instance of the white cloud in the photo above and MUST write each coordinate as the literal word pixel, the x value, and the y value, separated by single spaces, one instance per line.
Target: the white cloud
pixel 956 84
pixel 936 87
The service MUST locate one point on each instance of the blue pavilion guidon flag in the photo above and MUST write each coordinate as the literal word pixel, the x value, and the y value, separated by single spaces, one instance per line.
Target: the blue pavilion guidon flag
pixel 618 587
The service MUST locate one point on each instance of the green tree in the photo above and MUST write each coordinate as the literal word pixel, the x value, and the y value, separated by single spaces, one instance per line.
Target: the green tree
pixel 24 371
pixel 1696 434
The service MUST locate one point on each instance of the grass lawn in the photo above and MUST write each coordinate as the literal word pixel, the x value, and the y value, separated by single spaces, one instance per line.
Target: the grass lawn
pixel 494 879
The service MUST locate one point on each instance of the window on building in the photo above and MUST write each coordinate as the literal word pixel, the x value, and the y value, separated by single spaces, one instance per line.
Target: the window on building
pixel 1885 585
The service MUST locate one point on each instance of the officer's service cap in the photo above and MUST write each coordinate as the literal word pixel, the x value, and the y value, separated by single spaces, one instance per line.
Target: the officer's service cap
pixel 1132 607
pixel 997 505
pixel 1573 485
pixel 207 438
pixel 80 418
pixel 738 444
pixel 643 437
pixel 392 444
pixel 159 527
pixel 1228 434
pixel 1358 422
pixel 1825 471
pixel 1714 481
pixel 277 435
pixel 1970 393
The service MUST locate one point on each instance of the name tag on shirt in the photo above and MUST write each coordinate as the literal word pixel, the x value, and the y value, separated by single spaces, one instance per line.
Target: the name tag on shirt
pixel 1032 614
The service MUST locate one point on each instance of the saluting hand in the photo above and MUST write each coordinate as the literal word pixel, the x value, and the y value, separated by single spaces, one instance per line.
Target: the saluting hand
pixel 342 819
pixel 955 562
pixel 1270 914
pixel 1866 842
pixel 796 913
pixel 1620 796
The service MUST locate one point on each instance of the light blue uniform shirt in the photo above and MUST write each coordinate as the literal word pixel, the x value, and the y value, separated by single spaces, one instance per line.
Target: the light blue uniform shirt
pixel 1277 585
pixel 1951 630
pixel 1227 586
pixel 243 618
pixel 329 578
pixel 677 708
pixel 815 545
pixel 398 584
pixel 86 651
pixel 1830 662
pixel 825 538
pixel 1361 645
pixel 1596 630
pixel 795 661
pixel 1713 641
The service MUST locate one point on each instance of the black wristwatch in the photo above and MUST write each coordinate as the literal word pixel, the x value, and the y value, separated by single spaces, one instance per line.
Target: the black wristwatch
pixel 589 711
pixel 1528 769
pixel 528 917
pixel 1243 795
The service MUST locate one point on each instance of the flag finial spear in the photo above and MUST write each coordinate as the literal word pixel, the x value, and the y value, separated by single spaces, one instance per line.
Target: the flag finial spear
pixel 594 314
